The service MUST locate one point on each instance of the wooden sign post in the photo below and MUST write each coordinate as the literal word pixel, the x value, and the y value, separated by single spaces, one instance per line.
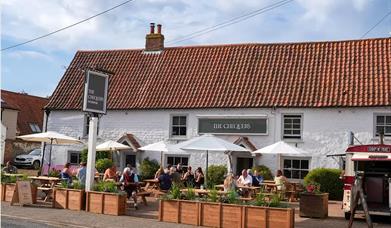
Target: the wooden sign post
pixel 23 193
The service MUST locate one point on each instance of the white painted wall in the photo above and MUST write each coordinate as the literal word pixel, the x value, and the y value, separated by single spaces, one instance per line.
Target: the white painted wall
pixel 9 120
pixel 325 131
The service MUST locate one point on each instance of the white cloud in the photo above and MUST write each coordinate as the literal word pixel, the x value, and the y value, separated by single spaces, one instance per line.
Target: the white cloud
pixel 21 54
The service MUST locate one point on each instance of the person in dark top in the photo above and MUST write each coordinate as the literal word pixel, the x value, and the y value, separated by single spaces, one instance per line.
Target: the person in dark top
pixel 165 181
pixel 66 174
pixel 9 168
pixel 199 178
pixel 255 180
pixel 188 178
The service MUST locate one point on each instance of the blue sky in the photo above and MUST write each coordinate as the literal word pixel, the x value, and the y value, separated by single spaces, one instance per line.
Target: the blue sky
pixel 36 68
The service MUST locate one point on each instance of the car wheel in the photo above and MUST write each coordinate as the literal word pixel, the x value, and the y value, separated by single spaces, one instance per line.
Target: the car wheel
pixel 36 164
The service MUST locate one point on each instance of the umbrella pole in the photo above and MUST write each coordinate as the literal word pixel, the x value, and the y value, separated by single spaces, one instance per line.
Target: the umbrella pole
pixel 50 154
pixel 206 170
pixel 42 159
pixel 161 158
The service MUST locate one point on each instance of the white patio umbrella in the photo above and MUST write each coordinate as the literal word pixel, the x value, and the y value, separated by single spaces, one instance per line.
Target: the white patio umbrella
pixel 112 146
pixel 51 137
pixel 162 147
pixel 208 143
pixel 279 148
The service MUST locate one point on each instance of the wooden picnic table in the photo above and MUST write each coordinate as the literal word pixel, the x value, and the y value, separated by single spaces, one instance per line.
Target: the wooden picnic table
pixel 204 191
pixel 47 184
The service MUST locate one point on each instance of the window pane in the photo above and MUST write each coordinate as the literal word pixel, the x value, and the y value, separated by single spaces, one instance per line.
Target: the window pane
pixel 303 174
pixel 175 130
pixel 388 130
pixel 296 121
pixel 177 160
pixel 74 158
pixel 304 164
pixel 295 174
pixel 182 131
pixel 182 120
pixel 296 164
pixel 287 121
pixel 287 173
pixel 296 132
pixel 170 160
pixel 175 120
pixel 185 161
pixel 287 126
pixel 287 163
pixel 380 119
pixel 388 120
pixel 287 132
pixel 379 129
pixel 296 126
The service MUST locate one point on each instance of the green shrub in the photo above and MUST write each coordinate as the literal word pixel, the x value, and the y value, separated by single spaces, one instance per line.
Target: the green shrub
pixel 329 181
pixel 264 171
pixel 54 173
pixel 260 200
pixel 148 168
pixel 216 175
pixel 106 186
pixel 103 164
pixel 213 195
pixel 232 197
pixel 99 155
pixel 190 194
pixel 76 184
pixel 175 192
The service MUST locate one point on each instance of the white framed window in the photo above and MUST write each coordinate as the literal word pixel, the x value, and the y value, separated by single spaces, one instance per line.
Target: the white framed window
pixel 86 126
pixel 74 157
pixel 292 126
pixel 178 127
pixel 34 127
pixel 296 168
pixel 175 159
pixel 383 124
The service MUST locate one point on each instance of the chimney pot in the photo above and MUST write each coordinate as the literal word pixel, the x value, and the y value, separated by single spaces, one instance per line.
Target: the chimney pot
pixel 152 28
pixel 159 29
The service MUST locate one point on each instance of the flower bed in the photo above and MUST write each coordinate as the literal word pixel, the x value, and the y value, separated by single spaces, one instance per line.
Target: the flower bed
pixel 313 203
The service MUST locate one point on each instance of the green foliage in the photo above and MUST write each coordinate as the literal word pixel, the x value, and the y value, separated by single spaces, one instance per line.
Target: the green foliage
pixel 103 164
pixel 329 181
pixel 99 155
pixel 216 175
pixel 264 171
pixel 190 194
pixel 148 168
pixel 64 184
pixel 106 186
pixel 77 185
pixel 175 192
pixel 54 173
pixel 7 179
pixel 275 201
pixel 260 200
pixel 232 197
pixel 213 195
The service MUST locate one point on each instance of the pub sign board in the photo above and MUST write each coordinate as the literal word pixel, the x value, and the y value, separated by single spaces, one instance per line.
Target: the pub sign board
pixel 254 126
pixel 95 92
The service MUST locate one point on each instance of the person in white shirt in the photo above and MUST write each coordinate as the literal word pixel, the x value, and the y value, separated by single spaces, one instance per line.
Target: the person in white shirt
pixel 245 179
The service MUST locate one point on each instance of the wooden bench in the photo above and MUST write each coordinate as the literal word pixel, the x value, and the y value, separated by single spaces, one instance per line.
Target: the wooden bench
pixel 246 199
pixel 143 196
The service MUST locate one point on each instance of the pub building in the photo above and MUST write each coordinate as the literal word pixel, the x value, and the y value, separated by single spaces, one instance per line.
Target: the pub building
pixel 308 94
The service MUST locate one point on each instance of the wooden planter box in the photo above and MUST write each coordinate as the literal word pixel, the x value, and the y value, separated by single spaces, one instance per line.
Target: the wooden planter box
pixel 7 191
pixel 72 199
pixel 314 205
pixel 224 215
pixel 106 203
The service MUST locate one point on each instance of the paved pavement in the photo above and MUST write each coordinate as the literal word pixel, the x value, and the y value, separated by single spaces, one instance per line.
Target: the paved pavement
pixel 45 216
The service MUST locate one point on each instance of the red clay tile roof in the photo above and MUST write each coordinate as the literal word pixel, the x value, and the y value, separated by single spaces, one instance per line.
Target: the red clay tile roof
pixel 30 109
pixel 315 74
pixel 132 139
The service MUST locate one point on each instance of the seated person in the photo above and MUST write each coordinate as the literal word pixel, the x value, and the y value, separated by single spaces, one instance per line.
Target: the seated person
pixel 111 174
pixel 280 180
pixel 199 178
pixel 82 173
pixel 257 179
pixel 9 168
pixel 130 184
pixel 229 183
pixel 175 176
pixel 66 173
pixel 245 179
pixel 159 172
pixel 188 177
pixel 165 180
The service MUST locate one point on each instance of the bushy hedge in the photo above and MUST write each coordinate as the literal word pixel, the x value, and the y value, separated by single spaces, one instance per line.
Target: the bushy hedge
pixel 99 155
pixel 103 164
pixel 329 181
pixel 148 168
pixel 264 171
pixel 216 175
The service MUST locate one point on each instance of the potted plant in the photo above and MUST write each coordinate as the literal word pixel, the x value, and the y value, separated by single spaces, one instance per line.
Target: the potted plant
pixel 314 203
pixel 70 197
pixel 215 211
pixel 106 199
pixel 8 184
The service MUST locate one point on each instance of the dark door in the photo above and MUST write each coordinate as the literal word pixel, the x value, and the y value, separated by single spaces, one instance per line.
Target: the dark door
pixel 243 163
pixel 131 159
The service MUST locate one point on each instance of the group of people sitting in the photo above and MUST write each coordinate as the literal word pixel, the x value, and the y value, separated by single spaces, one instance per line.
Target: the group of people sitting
pixel 179 176
pixel 9 168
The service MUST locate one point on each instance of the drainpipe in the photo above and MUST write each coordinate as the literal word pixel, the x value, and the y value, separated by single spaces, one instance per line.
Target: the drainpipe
pixel 43 144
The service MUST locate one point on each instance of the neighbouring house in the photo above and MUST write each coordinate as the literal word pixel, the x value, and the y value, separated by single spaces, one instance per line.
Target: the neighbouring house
pixel 21 114
pixel 309 94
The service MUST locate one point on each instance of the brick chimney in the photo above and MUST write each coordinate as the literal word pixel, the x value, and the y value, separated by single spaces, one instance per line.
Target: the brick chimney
pixel 154 41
